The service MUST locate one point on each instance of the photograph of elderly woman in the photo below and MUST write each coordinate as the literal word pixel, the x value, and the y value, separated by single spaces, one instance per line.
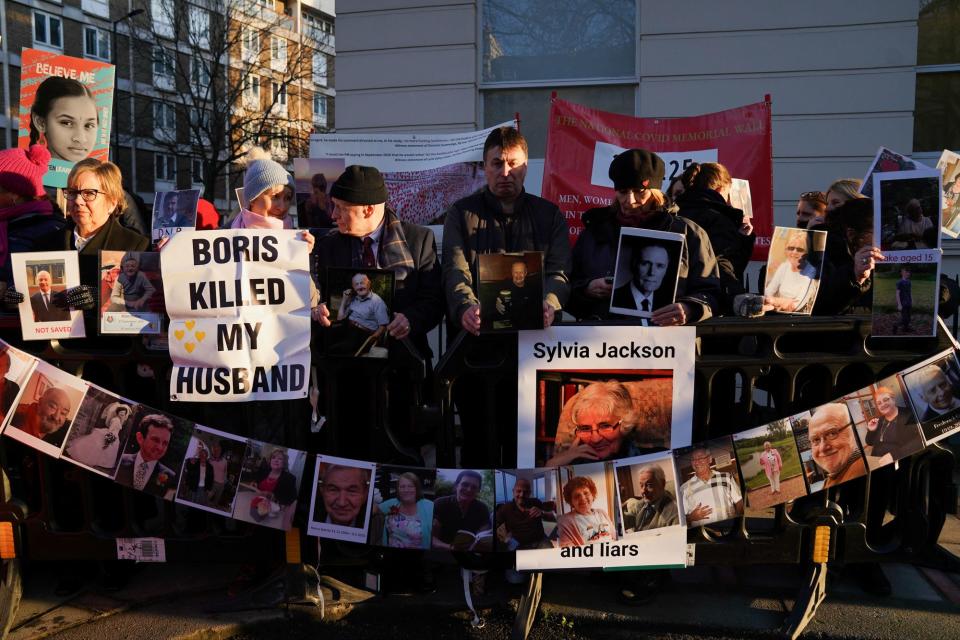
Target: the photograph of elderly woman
pixel 826 436
pixel 101 428
pixel 68 115
pixel 525 518
pixel 211 470
pixel 269 485
pixel 905 298
pixel 648 493
pixel 770 464
pixel 131 292
pixel 709 482
pixel 907 210
pixel 885 422
pixel 587 507
pixel 402 514
pixel 934 390
pixel 360 303
pixel 590 415
pixel 794 267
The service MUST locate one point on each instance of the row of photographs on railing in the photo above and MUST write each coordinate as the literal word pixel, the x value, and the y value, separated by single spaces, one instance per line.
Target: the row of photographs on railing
pixel 572 515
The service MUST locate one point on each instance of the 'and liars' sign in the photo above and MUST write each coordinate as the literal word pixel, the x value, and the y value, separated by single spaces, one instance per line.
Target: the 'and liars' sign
pixel 239 307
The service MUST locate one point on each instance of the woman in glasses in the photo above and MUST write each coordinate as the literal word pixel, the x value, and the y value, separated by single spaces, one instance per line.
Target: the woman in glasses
pixel 637 175
pixel 29 221
pixel 601 416
pixel 793 287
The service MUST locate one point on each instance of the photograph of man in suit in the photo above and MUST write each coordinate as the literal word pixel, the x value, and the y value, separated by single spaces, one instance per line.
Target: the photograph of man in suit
pixel 143 470
pixel 44 309
pixel 45 419
pixel 648 266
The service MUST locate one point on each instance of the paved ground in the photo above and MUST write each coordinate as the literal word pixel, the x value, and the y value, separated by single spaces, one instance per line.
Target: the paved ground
pixel 175 601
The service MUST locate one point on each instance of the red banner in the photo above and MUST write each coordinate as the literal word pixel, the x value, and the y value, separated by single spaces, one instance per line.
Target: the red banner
pixel 581 143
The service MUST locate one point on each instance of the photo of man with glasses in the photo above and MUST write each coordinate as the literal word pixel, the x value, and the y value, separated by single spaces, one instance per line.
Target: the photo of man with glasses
pixel 833 442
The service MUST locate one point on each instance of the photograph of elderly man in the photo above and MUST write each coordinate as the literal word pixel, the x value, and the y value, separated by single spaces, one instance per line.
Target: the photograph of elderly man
pixel 46 409
pixel 648 495
pixel 833 441
pixel 511 290
pixel 710 490
pixel 42 302
pixel 934 389
pixel 648 264
pixel 359 303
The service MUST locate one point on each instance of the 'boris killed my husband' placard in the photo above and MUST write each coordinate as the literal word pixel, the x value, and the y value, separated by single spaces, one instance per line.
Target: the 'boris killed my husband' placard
pixel 239 307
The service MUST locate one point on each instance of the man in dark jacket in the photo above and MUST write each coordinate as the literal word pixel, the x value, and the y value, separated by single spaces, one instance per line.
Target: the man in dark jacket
pixel 499 218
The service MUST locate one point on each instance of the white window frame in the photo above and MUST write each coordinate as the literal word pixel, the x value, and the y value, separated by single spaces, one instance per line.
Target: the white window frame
pixel 199 73
pixel 320 116
pixel 165 168
pixel 164 121
pixel 278 52
pixel 321 68
pixel 47 19
pixel 162 15
pixel 100 8
pixel 251 91
pixel 164 68
pixel 198 21
pixel 196 179
pixel 249 44
pixel 102 40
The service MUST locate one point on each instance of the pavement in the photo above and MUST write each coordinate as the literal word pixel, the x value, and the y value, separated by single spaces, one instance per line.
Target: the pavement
pixel 181 601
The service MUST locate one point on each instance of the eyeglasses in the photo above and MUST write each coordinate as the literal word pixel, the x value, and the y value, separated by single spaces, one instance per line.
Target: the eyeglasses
pixel 794 249
pixel 88 195
pixel 604 430
pixel 828 436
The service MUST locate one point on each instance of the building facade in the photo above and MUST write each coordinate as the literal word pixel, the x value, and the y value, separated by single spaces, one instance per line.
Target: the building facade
pixel 168 55
pixel 844 77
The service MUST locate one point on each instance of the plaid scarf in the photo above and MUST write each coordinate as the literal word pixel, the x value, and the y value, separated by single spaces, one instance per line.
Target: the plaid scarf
pixel 394 254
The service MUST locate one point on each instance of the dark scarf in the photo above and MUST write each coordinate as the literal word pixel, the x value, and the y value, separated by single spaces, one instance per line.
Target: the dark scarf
pixel 394 253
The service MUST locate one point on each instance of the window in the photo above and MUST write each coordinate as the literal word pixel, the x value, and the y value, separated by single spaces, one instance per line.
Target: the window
pixel 165 167
pixel 199 73
pixel 525 40
pixel 96 44
pixel 937 108
pixel 320 69
pixel 47 30
pixel 251 92
pixel 162 13
pixel 163 65
pixel 96 7
pixel 249 44
pixel 278 52
pixel 164 121
pixel 317 28
pixel 196 170
pixel 319 110
pixel 199 26
pixel 200 118
pixel 280 93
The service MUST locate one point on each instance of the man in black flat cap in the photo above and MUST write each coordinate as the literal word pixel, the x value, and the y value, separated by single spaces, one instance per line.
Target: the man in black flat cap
pixel 370 235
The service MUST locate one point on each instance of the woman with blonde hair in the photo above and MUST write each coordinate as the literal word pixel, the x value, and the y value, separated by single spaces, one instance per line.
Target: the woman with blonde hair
pixel 636 175
pixel 841 191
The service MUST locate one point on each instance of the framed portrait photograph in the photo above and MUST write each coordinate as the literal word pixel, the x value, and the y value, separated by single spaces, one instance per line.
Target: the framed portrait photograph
pixel 934 390
pixel 907 210
pixel 794 267
pixel 174 211
pixel 269 485
pixel 342 499
pixel 361 306
pixel 46 408
pixel 510 290
pixel 648 266
pixel 131 293
pixel 44 277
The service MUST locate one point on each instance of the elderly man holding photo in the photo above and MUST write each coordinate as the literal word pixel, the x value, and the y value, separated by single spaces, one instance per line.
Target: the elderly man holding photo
pixel 834 445
pixel 710 495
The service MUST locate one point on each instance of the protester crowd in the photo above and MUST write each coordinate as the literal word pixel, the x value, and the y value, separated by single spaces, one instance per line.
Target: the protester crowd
pixel 353 227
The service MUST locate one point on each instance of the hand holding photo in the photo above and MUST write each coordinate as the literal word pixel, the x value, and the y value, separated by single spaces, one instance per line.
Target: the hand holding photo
pixel 511 291
pixel 648 266
pixel 360 303
pixel 174 211
pixel 907 206
pixel 44 279
pixel 794 266
pixel 131 292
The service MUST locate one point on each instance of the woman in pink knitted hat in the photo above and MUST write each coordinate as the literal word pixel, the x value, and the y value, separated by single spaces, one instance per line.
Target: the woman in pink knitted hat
pixel 29 221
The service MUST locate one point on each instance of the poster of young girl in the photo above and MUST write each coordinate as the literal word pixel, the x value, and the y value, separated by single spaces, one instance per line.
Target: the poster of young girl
pixel 65 104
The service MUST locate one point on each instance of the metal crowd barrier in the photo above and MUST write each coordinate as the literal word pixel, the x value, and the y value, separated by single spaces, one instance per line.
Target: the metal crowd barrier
pixel 748 372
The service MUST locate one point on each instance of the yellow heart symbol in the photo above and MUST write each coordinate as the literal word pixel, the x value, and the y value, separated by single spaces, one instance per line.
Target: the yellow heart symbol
pixel 190 324
pixel 179 334
pixel 190 347
pixel 200 335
